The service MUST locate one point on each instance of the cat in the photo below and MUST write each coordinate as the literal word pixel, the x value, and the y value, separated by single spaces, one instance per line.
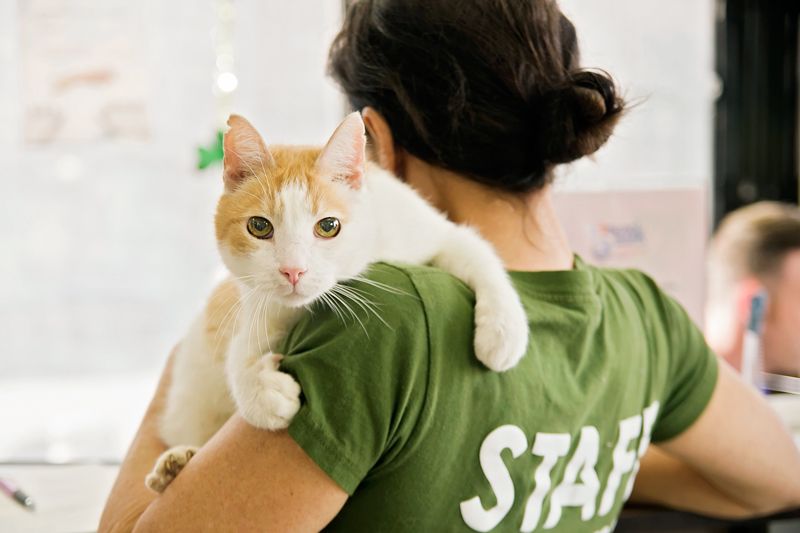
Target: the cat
pixel 291 224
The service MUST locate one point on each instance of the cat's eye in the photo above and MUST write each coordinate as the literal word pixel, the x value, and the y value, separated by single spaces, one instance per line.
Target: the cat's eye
pixel 260 228
pixel 328 227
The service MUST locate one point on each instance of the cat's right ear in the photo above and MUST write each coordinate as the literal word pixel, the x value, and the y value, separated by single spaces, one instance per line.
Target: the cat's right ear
pixel 245 152
pixel 343 157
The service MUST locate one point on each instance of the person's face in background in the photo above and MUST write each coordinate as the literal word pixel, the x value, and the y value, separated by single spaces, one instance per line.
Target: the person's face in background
pixel 781 334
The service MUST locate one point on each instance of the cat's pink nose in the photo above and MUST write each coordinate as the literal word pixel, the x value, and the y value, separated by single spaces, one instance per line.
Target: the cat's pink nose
pixel 292 274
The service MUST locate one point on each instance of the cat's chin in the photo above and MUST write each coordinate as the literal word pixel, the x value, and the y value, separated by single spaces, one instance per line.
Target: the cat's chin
pixel 294 300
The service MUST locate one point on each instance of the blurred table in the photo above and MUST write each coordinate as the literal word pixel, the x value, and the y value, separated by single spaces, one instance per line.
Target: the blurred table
pixel 68 498
pixel 644 519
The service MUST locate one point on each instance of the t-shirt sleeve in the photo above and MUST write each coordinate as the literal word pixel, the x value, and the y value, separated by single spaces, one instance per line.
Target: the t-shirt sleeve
pixel 363 374
pixel 691 372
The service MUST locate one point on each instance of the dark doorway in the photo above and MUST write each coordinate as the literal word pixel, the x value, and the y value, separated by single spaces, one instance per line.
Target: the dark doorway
pixel 756 123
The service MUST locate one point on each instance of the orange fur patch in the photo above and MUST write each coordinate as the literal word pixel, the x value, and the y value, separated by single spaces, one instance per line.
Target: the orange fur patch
pixel 220 317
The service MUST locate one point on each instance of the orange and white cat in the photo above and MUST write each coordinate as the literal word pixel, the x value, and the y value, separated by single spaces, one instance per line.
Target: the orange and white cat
pixel 291 224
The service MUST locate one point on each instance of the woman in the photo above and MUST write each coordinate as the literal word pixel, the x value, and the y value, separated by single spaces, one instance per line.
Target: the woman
pixel 473 103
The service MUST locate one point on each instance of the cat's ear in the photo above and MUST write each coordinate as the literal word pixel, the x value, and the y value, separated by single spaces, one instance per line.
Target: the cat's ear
pixel 245 152
pixel 343 157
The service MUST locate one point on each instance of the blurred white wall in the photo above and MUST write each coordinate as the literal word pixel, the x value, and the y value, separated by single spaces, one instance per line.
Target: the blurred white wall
pixel 662 55
pixel 107 247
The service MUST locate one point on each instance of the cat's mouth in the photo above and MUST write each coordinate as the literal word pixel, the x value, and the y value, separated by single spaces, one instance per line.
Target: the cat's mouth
pixel 295 298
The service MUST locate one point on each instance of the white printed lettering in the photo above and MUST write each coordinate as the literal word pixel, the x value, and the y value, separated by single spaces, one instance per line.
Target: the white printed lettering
pixel 629 429
pixel 550 447
pixel 472 511
pixel 579 486
pixel 572 494
pixel 649 419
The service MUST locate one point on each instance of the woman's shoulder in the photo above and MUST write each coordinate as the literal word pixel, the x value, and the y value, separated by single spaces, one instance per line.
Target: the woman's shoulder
pixel 640 286
pixel 636 290
pixel 403 288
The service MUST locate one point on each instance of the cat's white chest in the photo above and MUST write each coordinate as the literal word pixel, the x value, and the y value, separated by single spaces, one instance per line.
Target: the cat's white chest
pixel 261 329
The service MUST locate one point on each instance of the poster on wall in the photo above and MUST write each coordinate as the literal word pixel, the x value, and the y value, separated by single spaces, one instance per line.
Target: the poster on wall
pixel 82 70
pixel 663 233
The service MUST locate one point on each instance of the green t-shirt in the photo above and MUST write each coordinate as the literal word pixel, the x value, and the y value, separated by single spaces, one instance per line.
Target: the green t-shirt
pixel 400 413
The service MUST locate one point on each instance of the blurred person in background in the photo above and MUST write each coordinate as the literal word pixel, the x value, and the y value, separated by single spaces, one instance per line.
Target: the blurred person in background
pixel 474 103
pixel 756 248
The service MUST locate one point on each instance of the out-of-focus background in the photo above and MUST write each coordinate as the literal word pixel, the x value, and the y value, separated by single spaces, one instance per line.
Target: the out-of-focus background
pixel 106 222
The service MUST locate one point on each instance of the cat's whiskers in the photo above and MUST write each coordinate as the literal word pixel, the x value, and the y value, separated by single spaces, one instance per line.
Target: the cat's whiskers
pixel 252 195
pixel 333 305
pixel 356 290
pixel 269 308
pixel 258 315
pixel 343 301
pixel 360 299
pixel 263 314
pixel 381 286
pixel 264 170
pixel 254 310
pixel 232 295
pixel 238 296
pixel 223 307
pixel 235 309
pixel 242 304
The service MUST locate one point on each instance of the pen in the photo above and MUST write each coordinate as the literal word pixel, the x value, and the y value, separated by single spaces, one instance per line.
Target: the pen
pixel 751 349
pixel 13 491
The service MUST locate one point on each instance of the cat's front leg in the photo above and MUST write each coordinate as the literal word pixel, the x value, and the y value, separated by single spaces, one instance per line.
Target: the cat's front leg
pixel 265 397
pixel 501 323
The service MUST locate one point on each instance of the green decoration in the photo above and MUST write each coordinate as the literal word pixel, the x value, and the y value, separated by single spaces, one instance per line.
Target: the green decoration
pixel 212 154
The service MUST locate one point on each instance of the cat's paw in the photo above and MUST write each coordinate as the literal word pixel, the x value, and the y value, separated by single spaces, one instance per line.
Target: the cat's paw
pixel 168 466
pixel 268 399
pixel 501 331
pixel 273 359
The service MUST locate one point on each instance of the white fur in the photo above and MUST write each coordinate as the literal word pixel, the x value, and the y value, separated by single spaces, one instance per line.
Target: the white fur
pixel 387 221
pixel 343 157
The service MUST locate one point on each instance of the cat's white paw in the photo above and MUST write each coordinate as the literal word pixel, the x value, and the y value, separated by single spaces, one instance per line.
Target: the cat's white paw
pixel 268 399
pixel 501 331
pixel 167 466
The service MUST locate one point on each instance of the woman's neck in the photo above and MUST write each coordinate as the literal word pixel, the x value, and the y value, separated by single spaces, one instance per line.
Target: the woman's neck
pixel 523 229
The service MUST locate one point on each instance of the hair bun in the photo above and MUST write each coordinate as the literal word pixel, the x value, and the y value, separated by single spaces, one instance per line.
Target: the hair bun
pixel 591 109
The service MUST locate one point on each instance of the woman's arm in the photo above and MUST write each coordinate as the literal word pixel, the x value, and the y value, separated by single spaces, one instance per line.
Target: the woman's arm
pixel 664 480
pixel 129 497
pixel 243 479
pixel 736 460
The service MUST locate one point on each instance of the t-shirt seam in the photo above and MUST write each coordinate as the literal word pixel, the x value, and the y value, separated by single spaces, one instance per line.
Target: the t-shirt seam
pixel 328 446
pixel 425 407
pixel 675 427
pixel 390 437
pixel 345 475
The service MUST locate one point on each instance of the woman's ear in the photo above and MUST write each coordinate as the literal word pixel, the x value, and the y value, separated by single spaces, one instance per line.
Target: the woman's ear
pixel 381 137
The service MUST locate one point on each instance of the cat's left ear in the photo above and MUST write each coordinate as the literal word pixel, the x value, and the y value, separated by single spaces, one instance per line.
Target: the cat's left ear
pixel 343 157
pixel 244 152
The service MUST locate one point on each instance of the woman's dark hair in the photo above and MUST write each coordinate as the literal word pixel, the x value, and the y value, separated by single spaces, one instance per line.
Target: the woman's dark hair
pixel 487 88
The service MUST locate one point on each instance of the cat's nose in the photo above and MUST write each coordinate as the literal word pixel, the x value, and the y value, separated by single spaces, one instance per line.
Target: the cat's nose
pixel 292 274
